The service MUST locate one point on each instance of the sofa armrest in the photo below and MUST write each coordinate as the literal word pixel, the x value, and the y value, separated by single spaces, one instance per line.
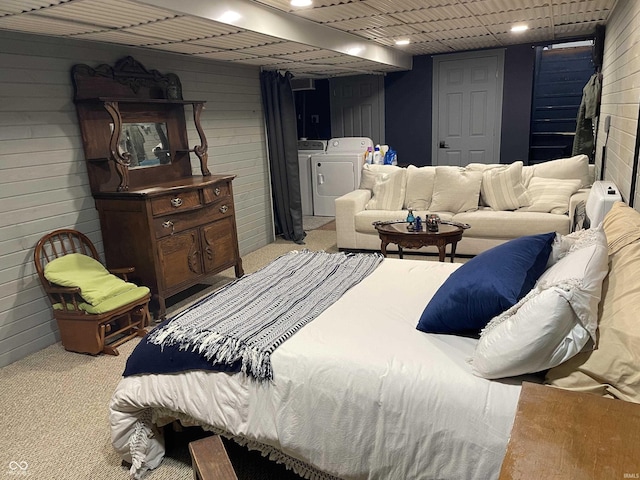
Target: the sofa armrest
pixel 580 196
pixel 347 206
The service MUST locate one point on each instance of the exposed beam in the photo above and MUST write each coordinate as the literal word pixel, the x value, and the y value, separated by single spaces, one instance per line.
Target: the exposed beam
pixel 269 21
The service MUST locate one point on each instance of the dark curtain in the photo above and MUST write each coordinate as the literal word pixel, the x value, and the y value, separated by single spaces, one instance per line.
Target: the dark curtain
pixel 282 134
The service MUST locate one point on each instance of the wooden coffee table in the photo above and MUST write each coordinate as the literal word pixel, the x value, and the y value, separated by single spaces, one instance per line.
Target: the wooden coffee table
pixel 397 233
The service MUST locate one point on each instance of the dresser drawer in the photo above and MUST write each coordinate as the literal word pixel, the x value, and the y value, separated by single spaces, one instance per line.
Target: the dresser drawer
pixel 213 193
pixel 170 224
pixel 176 202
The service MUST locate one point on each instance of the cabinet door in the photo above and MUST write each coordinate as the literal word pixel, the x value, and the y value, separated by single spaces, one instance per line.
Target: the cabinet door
pixel 180 258
pixel 219 245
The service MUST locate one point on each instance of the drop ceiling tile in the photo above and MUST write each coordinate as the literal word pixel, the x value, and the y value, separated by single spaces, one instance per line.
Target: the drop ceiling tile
pixel 183 29
pixel 457 44
pixel 117 36
pixel 106 13
pixel 181 47
pixel 20 6
pixel 226 55
pixel 31 23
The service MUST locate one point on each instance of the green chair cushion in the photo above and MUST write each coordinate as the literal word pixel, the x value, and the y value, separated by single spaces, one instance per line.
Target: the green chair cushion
pixel 110 303
pixel 95 282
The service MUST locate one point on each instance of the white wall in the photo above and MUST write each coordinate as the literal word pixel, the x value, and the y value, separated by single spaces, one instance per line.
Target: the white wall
pixel 43 177
pixel 620 96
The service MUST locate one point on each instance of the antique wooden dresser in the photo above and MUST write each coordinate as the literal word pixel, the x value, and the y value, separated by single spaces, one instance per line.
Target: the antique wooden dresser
pixel 175 227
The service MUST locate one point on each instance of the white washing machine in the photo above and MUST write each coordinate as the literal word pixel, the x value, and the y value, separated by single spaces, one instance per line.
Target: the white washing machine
pixel 337 172
pixel 306 148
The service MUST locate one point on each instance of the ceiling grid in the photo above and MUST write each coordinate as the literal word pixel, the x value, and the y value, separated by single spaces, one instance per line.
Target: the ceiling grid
pixel 348 36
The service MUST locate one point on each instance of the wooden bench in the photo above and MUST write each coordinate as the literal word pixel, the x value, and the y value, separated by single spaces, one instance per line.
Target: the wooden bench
pixel 210 460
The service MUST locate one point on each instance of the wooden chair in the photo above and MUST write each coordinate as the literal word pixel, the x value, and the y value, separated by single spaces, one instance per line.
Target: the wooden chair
pixel 82 331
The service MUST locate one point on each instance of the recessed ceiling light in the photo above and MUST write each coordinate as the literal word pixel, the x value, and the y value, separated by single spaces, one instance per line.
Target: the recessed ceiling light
pixel 519 28
pixel 300 3
pixel 229 16
pixel 404 41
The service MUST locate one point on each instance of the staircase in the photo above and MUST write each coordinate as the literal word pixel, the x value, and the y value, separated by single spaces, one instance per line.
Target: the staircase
pixel 559 77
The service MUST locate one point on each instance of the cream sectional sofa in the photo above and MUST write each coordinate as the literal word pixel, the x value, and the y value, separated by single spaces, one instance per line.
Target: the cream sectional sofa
pixel 499 201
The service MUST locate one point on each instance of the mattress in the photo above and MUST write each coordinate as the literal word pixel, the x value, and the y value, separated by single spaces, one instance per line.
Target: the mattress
pixel 358 394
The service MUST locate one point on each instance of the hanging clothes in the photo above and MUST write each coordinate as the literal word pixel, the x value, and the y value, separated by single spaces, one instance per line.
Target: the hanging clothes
pixel 583 142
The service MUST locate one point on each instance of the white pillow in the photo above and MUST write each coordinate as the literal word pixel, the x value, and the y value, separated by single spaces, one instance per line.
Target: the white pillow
pixel 537 333
pixel 573 168
pixel 455 190
pixel 563 244
pixel 553 322
pixel 586 265
pixel 551 195
pixel 419 187
pixel 371 173
pixel 388 192
pixel 502 188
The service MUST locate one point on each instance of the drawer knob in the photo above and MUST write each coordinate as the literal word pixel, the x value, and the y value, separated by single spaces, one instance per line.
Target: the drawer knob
pixel 224 209
pixel 176 202
pixel 217 191
pixel 169 224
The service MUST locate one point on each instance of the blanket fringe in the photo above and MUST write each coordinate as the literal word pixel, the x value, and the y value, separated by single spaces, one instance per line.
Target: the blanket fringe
pixel 138 445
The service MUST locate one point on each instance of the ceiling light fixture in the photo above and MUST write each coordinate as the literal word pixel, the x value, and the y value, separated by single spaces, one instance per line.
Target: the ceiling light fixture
pixel 404 41
pixel 354 51
pixel 519 28
pixel 229 16
pixel 300 3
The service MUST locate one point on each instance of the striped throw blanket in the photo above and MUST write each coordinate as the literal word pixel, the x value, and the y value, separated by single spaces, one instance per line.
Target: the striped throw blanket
pixel 249 318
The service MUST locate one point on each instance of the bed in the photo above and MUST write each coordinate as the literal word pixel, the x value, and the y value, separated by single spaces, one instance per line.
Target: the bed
pixel 360 393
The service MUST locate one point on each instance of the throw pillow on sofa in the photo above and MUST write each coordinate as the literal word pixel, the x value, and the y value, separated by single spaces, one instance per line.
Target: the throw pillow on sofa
pixel 420 182
pixel 371 173
pixel 572 168
pixel 502 188
pixel 551 195
pixel 388 191
pixel 455 190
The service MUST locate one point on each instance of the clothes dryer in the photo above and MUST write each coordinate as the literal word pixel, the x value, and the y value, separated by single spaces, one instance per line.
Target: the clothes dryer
pixel 337 172
pixel 306 148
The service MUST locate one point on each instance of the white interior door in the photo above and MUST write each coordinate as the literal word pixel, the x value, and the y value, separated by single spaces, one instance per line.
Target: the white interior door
pixel 357 107
pixel 467 110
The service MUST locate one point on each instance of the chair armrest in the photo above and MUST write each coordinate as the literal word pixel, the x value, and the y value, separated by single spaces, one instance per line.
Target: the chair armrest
pixel 63 290
pixel 347 206
pixel 122 272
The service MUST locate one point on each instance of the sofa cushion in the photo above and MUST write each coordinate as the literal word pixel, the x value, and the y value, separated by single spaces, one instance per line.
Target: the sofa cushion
pixel 388 191
pixel 551 195
pixel 455 190
pixel 371 173
pixel 502 188
pixel 420 183
pixel 572 168
pixel 486 286
pixel 613 368
pixel 488 223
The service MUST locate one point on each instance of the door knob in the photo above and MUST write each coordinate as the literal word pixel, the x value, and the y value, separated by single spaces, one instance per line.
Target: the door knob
pixel 443 144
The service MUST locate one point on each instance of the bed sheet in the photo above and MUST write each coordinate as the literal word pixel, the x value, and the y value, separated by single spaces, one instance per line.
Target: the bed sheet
pixel 357 394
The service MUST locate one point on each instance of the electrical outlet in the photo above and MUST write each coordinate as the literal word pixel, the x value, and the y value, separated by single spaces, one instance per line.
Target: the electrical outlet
pixel 315 118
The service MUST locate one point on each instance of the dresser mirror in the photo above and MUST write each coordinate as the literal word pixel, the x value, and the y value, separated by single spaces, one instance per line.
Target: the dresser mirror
pixel 146 143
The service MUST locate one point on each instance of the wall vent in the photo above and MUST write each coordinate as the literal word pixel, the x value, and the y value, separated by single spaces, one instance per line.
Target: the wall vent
pixel 303 84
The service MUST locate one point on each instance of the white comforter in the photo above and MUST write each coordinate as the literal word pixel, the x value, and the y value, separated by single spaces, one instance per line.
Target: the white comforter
pixel 358 393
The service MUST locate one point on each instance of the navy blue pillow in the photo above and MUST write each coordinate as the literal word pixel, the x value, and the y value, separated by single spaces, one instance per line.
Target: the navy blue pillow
pixel 487 285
